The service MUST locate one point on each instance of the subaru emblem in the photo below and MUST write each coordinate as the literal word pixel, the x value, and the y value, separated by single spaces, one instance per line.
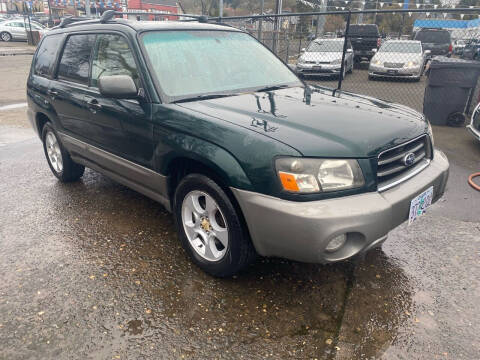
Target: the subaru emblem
pixel 409 159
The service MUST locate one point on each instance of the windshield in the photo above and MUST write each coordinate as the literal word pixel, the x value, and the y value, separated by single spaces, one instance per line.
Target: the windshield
pixel 435 37
pixel 325 46
pixel 194 63
pixel 401 47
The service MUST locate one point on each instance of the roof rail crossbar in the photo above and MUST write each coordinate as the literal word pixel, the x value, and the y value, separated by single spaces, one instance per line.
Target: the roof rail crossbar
pixel 71 20
pixel 107 16
pixel 199 18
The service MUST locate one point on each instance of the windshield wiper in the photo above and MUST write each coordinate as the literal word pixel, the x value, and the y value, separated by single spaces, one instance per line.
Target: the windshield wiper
pixel 204 97
pixel 271 88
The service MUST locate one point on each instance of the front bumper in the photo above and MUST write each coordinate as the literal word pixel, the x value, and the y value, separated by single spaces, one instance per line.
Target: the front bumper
pixel 322 69
pixel 301 230
pixel 381 71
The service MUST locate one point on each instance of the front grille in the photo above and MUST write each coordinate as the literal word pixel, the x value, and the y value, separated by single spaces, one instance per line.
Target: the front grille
pixel 394 166
pixel 393 65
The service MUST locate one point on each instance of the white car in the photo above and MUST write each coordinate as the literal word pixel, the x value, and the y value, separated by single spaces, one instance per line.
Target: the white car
pixel 324 57
pixel 398 59
pixel 16 29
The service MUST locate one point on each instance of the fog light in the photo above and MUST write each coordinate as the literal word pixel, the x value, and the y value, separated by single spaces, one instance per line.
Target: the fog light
pixel 336 243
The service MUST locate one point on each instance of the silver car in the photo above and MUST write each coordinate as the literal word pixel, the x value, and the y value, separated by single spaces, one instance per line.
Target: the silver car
pixel 324 57
pixel 16 29
pixel 398 59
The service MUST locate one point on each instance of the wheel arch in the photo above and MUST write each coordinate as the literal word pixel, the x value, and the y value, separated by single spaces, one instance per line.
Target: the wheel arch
pixel 40 120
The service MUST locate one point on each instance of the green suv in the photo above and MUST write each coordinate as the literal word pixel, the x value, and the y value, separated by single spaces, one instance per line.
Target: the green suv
pixel 250 160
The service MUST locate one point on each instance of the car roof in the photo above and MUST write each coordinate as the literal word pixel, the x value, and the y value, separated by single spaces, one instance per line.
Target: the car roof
pixel 140 26
pixel 328 39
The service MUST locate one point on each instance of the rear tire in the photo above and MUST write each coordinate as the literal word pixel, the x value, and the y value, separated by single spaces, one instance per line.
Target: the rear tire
pixel 209 227
pixel 60 162
pixel 5 36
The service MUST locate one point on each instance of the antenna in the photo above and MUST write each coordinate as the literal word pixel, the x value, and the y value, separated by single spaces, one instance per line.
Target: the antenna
pixel 107 16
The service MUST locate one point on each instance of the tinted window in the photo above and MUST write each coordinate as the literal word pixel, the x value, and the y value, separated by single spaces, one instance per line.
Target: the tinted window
pixel 364 30
pixel 46 55
pixel 113 57
pixel 433 36
pixel 75 61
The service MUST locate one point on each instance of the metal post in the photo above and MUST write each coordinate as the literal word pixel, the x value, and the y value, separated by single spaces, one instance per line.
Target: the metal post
pixel 275 25
pixel 345 41
pixel 50 20
pixel 260 21
pixel 375 14
pixel 87 8
pixel 321 18
pixel 220 10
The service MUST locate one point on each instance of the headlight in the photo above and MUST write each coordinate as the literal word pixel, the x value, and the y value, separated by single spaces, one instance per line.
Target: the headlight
pixel 335 62
pixel 301 61
pixel 300 175
pixel 430 132
pixel 411 64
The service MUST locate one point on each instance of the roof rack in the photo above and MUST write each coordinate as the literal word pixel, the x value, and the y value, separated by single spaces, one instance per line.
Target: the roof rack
pixel 71 20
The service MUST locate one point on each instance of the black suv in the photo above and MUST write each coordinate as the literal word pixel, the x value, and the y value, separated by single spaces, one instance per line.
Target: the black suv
pixel 210 123
pixel 365 39
pixel 438 41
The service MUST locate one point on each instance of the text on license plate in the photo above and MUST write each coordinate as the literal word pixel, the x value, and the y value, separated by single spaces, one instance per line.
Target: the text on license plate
pixel 419 204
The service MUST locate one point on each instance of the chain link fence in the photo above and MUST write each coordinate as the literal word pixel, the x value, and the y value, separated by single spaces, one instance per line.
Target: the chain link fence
pixel 385 54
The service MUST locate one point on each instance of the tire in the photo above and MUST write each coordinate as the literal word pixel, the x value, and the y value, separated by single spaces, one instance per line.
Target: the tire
pixel 210 229
pixel 60 162
pixel 5 36
pixel 371 77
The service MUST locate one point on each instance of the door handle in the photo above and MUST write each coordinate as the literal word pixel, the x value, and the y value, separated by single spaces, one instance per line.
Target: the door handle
pixel 93 105
pixel 52 93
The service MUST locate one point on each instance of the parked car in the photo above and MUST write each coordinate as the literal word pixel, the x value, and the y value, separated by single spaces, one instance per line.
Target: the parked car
pixel 40 18
pixel 206 120
pixel 16 29
pixel 398 59
pixel 474 126
pixel 324 57
pixel 458 46
pixel 438 41
pixel 365 39
pixel 471 51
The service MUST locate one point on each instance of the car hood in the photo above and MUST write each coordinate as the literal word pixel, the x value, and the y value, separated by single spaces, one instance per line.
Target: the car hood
pixel 395 57
pixel 347 125
pixel 321 56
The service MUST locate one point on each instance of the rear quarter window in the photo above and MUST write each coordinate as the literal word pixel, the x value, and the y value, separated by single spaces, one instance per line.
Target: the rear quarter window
pixel 46 55
pixel 433 36
pixel 364 30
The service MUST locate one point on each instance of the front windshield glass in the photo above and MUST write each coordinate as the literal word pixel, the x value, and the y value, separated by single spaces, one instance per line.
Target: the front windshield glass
pixel 194 63
pixel 325 46
pixel 401 47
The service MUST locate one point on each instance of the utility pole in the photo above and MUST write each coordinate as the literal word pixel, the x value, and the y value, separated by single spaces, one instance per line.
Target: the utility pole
pixel 87 8
pixel 321 18
pixel 360 16
pixel 220 9
pixel 260 20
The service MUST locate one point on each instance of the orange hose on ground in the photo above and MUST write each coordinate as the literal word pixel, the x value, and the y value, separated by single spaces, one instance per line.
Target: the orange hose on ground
pixel 471 183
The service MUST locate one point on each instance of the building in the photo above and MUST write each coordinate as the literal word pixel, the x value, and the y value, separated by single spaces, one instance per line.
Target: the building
pixel 144 8
pixel 460 29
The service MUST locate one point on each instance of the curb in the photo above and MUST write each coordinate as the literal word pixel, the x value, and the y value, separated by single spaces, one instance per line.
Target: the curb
pixel 16 51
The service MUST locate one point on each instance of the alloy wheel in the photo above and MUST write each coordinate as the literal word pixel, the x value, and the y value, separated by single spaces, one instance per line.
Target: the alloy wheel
pixel 53 151
pixel 205 225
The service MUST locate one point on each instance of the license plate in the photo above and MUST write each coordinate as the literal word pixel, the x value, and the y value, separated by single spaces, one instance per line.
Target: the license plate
pixel 392 71
pixel 419 204
pixel 317 67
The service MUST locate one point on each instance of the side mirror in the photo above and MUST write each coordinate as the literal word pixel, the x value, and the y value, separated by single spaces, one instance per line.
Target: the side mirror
pixel 374 50
pixel 303 50
pixel 428 52
pixel 117 87
pixel 349 50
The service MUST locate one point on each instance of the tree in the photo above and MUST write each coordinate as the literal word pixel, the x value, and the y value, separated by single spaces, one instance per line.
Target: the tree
pixel 334 23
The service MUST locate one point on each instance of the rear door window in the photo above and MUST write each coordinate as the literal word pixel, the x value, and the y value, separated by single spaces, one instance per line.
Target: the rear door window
pixel 46 55
pixel 75 61
pixel 363 30
pixel 435 37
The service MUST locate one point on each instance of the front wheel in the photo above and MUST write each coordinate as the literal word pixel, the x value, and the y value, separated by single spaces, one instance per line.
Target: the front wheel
pixel 210 228
pixel 5 36
pixel 60 162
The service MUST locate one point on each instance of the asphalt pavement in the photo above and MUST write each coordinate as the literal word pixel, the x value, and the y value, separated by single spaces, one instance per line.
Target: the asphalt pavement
pixel 94 270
